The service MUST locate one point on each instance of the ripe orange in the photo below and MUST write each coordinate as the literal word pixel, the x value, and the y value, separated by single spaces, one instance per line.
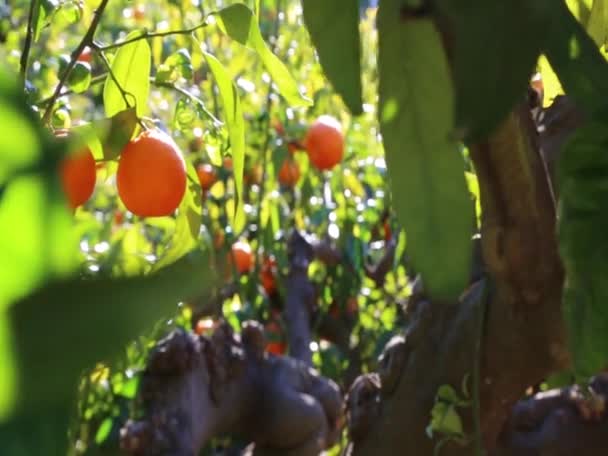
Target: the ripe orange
pixel 151 176
pixel 119 218
pixel 242 257
pixel 276 339
pixel 267 274
pixel 324 142
pixel 276 348
pixel 218 239
pixel 206 175
pixel 228 163
pixel 139 12
pixel 289 173
pixel 254 176
pixel 204 326
pixel 388 234
pixel 78 175
pixel 85 56
pixel 278 127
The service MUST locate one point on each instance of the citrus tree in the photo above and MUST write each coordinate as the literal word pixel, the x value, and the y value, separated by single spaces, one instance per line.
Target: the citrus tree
pixel 200 202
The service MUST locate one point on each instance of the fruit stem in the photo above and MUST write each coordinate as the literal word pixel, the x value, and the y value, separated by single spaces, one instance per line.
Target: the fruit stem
pixel 87 40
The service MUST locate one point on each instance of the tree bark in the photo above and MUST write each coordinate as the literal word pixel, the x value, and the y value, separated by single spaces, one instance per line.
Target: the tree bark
pixel 522 336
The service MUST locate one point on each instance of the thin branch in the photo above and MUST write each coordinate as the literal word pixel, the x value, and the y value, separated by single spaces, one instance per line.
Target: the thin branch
pixel 87 40
pixel 147 35
pixel 208 46
pixel 29 36
pixel 193 98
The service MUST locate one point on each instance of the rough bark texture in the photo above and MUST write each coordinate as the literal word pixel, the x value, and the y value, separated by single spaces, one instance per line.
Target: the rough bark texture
pixel 195 388
pixel 523 337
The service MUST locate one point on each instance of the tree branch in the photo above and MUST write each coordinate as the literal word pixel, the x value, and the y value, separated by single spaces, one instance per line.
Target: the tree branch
pixel 197 387
pixel 87 40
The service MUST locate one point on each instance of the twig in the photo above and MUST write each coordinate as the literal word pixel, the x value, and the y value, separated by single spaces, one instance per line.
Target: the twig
pixel 147 35
pixel 185 93
pixel 87 40
pixel 94 81
pixel 28 39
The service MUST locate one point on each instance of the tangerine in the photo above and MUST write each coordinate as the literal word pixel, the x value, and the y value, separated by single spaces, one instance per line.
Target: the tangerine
pixel 267 274
pixel 151 176
pixel 85 56
pixel 78 176
pixel 289 173
pixel 242 257
pixel 276 348
pixel 324 142
pixel 206 175
pixel 228 163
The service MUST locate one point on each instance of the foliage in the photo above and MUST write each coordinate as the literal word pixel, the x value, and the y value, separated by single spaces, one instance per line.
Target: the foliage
pixel 235 84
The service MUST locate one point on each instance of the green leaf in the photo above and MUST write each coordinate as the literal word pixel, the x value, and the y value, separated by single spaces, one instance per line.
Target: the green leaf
pixel 583 183
pixel 111 135
pixel 334 29
pixel 425 167
pixel 103 315
pixel 238 22
pixel 597 25
pixel 80 77
pixel 35 227
pixel 498 65
pixel 131 67
pixel 233 112
pixel 103 431
pixel 580 67
pixel 187 223
pixel 178 64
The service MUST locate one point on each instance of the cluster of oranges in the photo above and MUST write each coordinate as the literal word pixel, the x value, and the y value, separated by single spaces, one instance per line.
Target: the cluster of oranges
pixel 324 144
pixel 151 175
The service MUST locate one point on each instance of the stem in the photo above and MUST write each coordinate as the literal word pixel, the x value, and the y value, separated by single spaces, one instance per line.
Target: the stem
pixel 28 39
pixel 94 81
pixel 185 93
pixel 147 35
pixel 87 40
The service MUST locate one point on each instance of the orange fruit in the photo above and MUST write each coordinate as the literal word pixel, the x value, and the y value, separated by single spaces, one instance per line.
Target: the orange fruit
pixel 388 234
pixel 204 326
pixel 289 173
pixel 206 175
pixel 218 239
pixel 228 163
pixel 278 127
pixel 119 218
pixel 151 176
pixel 276 348
pixel 254 176
pixel 78 176
pixel 267 274
pixel 139 12
pixel 242 257
pixel 324 142
pixel 85 56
